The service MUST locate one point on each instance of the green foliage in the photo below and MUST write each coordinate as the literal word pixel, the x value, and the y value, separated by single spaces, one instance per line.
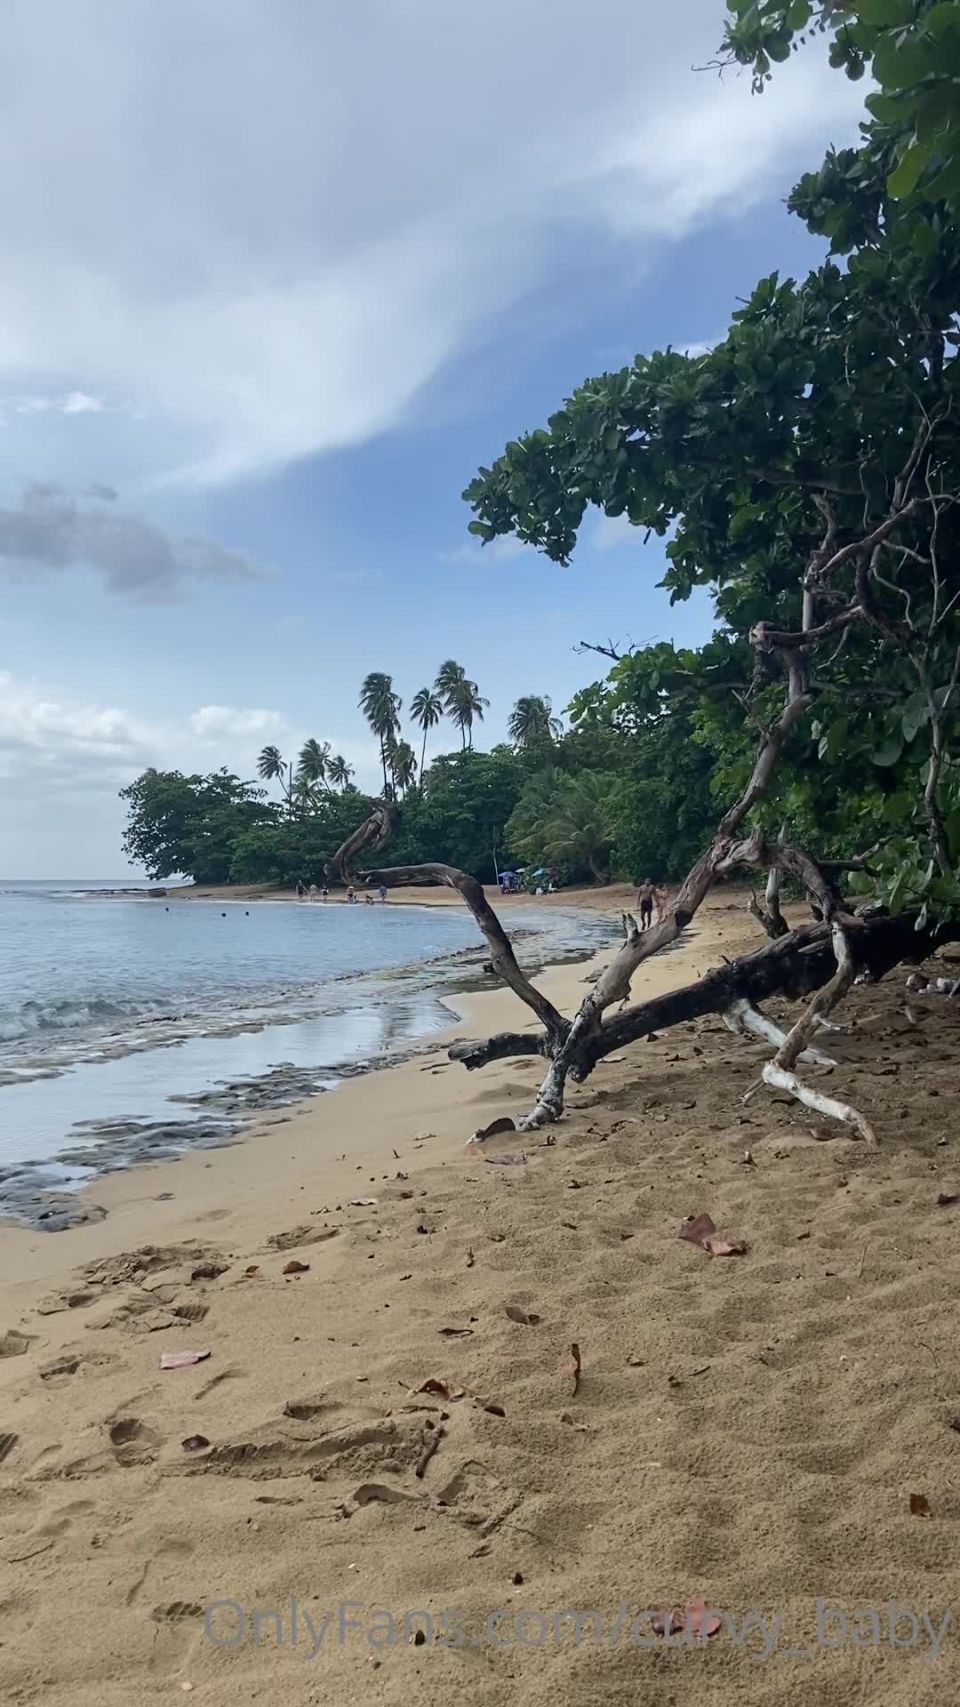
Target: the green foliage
pixel 807 410
pixel 911 48
pixel 189 825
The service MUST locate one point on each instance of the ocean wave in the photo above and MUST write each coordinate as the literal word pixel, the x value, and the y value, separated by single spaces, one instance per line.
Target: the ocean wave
pixel 69 1014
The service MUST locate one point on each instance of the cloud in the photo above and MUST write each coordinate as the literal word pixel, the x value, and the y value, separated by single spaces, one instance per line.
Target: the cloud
pixel 64 761
pixel 501 550
pixel 49 530
pixel 610 531
pixel 273 250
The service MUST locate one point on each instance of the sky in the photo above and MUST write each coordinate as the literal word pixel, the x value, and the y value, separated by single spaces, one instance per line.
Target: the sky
pixel 277 280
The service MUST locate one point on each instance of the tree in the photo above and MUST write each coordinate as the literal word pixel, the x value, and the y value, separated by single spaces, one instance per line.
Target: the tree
pixel 314 762
pixel 339 772
pixel 381 708
pixel 466 705
pixel 271 765
pixel 426 709
pixel 531 722
pixel 403 765
pixel 188 825
pixel 911 48
pixel 575 827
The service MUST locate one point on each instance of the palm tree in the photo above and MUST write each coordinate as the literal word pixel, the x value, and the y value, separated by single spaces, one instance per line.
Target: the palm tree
pixel 381 708
pixel 313 761
pixel 580 825
pixel 466 703
pixel 304 796
pixel 532 723
pixel 426 709
pixel 449 677
pixel 339 771
pixel 403 765
pixel 271 764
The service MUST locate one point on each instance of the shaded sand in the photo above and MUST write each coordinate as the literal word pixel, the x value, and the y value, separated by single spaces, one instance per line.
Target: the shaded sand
pixel 748 1429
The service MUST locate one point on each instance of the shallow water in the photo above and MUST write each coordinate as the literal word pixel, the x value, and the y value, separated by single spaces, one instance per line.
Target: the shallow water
pixel 134 1027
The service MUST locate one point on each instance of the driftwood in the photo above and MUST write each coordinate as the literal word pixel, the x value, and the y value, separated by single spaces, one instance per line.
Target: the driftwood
pixel 819 961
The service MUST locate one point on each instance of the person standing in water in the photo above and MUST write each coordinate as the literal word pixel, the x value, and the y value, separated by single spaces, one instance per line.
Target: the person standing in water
pixel 645 895
pixel 382 892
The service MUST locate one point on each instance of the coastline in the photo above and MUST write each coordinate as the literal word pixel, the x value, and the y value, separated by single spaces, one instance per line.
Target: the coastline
pixel 740 1427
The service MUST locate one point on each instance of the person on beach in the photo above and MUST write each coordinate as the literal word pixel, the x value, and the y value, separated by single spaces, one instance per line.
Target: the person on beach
pixel 645 896
pixel 301 891
pixel 324 893
pixel 313 891
pixel 382 892
pixel 660 898
pixel 351 893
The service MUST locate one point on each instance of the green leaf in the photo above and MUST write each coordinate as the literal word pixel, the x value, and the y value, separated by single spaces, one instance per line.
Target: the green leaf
pixel 885 12
pixel 798 14
pixel 889 753
pixel 946 184
pixel 916 713
pixel 942 18
pixel 905 176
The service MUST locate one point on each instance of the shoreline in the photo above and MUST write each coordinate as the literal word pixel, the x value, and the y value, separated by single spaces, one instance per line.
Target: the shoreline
pixel 388 1097
pixel 420 1003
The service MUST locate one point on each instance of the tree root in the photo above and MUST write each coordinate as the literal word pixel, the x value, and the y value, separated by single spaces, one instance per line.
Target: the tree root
pixel 781 1080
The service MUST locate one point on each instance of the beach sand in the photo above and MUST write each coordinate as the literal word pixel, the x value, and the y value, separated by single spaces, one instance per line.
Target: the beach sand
pixel 747 1429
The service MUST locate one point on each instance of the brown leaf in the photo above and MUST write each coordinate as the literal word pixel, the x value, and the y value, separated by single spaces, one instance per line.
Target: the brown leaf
pixel 295 1267
pixel 362 1202
pixel 505 1124
pixel 471 1259
pixel 508 1161
pixel 701 1230
pixel 195 1443
pixel 181 1359
pixel 517 1314
pixel 443 1389
pixel 573 1367
pixel 666 1623
pixel 919 1505
pixel 948 1197
pixel 700 1621
pixel 369 1491
pixel 253 1268
pixel 455 1333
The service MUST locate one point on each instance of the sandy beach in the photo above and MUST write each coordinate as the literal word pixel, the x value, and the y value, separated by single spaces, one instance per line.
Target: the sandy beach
pixel 394 1428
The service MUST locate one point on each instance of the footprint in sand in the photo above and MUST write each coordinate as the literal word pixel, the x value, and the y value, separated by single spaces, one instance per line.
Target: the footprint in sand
pixel 175 1548
pixel 179 1624
pixel 13 1343
pixel 133 1441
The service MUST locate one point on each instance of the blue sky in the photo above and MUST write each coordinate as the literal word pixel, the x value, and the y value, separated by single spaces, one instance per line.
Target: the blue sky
pixel 277 284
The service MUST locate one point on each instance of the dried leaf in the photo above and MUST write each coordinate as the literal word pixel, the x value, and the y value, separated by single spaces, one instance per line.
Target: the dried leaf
pixel 455 1333
pixel 471 1259
pixel 296 1267
pixel 253 1268
pixel 699 1619
pixel 362 1202
pixel 517 1314
pixel 508 1161
pixel 919 1505
pixel 573 1367
pixel 181 1359
pixel 493 1409
pixel 369 1491
pixel 701 1230
pixel 666 1623
pixel 505 1124
pixel 443 1389
pixel 195 1443
pixel 948 1197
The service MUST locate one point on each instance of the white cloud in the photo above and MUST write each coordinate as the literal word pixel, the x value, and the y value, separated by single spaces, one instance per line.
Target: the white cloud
pixel 610 531
pixel 79 755
pixel 268 237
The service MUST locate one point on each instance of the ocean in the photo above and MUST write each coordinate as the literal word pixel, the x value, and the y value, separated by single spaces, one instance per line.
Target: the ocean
pixel 132 1028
